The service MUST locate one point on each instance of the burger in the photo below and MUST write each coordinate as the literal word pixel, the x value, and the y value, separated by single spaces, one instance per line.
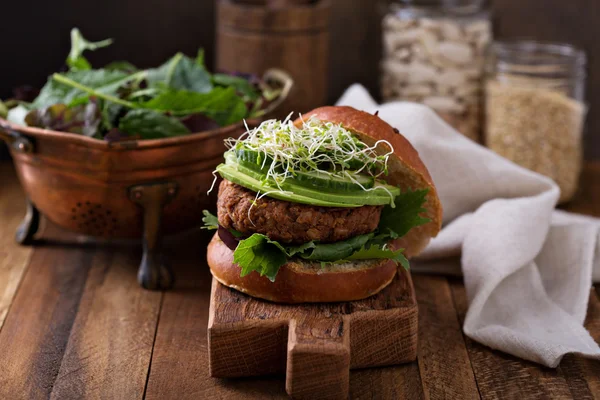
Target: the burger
pixel 322 209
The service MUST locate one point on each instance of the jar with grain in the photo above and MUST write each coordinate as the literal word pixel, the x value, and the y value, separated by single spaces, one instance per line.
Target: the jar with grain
pixel 434 53
pixel 535 108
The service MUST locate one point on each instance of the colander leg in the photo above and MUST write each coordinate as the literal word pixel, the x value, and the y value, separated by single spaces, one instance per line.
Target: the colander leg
pixel 154 272
pixel 29 226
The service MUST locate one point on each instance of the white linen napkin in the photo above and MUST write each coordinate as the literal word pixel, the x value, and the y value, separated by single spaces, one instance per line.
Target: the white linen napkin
pixel 527 267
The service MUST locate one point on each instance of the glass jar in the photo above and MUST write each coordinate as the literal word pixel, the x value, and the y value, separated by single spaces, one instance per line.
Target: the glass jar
pixel 434 53
pixel 535 108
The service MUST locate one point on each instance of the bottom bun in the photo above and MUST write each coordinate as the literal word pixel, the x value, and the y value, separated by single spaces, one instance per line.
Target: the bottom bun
pixel 300 281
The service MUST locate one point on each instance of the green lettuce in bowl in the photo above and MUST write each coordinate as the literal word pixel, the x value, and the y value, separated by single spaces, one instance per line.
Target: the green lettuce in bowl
pixel 122 102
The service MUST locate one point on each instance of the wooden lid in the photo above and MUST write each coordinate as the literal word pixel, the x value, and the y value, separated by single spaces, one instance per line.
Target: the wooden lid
pixel 274 15
pixel 275 3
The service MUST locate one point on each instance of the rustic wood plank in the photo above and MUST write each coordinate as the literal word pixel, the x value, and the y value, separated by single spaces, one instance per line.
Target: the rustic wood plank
pixel 583 375
pixel 391 383
pixel 13 257
pixel 179 367
pixel 443 359
pixel 37 328
pixel 109 349
pixel 502 376
pixel 315 344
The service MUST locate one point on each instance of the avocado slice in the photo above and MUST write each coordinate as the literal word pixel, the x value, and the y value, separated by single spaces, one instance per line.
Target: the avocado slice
pixel 295 193
pixel 232 174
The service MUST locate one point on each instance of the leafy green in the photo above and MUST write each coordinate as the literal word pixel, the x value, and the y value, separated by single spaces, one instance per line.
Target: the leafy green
pixel 375 252
pixel 3 110
pixel 82 119
pixel 240 84
pixel 76 60
pixel 291 251
pixel 149 124
pixel 248 254
pixel 222 105
pixel 111 113
pixel 336 251
pixel 123 66
pixel 181 73
pixel 258 253
pixel 396 222
pixel 211 222
pixel 200 57
pixel 179 97
pixel 64 92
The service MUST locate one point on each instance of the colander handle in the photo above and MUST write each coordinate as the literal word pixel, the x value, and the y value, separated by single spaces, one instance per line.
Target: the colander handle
pixel 14 139
pixel 282 79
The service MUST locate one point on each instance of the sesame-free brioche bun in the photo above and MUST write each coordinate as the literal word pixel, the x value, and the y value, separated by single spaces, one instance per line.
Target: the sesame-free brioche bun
pixel 300 281
pixel 406 170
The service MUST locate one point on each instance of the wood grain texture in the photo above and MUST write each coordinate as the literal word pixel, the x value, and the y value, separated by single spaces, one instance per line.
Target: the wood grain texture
pixel 583 375
pixel 109 348
pixel 501 376
pixel 446 374
pixel 295 39
pixel 36 331
pixel 180 358
pixel 13 258
pixel 248 337
pixel 68 333
pixel 389 383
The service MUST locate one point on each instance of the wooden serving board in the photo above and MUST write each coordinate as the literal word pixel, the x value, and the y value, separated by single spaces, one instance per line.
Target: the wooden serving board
pixel 316 345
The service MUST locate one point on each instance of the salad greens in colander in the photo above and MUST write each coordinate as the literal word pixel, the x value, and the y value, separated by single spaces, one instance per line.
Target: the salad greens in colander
pixel 121 101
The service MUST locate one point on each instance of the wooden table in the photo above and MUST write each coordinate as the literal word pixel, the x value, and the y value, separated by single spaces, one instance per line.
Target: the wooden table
pixel 74 323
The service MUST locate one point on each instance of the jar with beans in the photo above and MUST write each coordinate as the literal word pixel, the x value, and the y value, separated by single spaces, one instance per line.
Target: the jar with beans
pixel 434 53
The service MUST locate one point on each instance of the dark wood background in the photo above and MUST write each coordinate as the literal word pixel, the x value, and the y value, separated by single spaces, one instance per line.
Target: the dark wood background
pixel 35 37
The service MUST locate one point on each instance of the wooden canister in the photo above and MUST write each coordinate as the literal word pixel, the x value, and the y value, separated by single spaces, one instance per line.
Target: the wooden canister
pixel 253 36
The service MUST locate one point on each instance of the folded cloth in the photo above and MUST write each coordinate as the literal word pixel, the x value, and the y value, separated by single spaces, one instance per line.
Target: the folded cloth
pixel 527 267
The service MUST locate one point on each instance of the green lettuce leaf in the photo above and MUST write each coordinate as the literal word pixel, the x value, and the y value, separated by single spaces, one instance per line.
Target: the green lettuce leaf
pixel 75 59
pixel 291 251
pixel 222 105
pixel 3 110
pixel 335 251
pixel 211 222
pixel 375 252
pixel 181 73
pixel 396 222
pixel 55 92
pixel 241 85
pixel 258 253
pixel 149 124
pixel 123 66
pixel 249 257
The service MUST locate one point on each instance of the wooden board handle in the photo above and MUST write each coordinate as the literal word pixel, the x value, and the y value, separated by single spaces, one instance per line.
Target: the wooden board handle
pixel 315 344
pixel 318 359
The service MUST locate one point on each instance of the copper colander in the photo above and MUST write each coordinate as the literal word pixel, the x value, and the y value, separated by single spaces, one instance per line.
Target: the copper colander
pixel 122 189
